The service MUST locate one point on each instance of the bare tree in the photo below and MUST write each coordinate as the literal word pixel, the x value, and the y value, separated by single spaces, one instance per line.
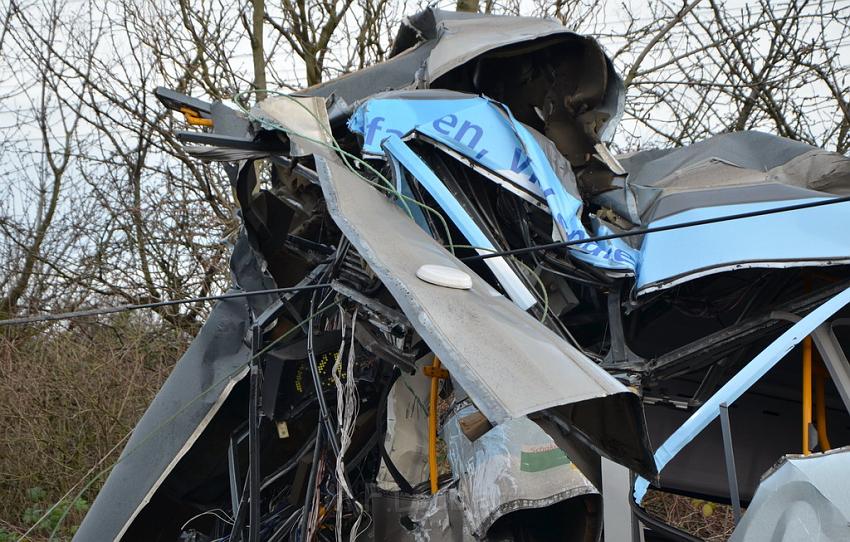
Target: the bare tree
pixel 709 68
pixel 49 118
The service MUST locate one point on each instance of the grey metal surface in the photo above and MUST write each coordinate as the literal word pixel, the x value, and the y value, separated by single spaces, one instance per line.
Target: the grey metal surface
pixel 434 42
pixel 803 498
pixel 509 363
pixel 194 391
pixel 729 455
pixel 738 167
pixel 619 522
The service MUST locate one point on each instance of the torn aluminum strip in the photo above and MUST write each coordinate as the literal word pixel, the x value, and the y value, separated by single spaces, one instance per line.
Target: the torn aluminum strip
pixel 516 466
pixel 509 363
pixel 801 498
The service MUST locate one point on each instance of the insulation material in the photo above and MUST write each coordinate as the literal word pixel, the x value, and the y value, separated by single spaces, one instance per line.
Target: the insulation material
pixel 512 467
pixel 406 440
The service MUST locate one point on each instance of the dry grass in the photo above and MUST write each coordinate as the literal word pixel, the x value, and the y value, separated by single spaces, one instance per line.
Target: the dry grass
pixel 69 394
pixel 709 521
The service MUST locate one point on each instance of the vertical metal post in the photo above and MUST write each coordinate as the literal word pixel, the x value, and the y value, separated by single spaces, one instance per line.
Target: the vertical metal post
pixel 731 472
pixel 618 520
pixel 254 439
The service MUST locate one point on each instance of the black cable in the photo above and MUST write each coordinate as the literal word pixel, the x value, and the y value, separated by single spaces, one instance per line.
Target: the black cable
pixel 121 308
pixel 290 464
pixel 317 383
pixel 656 229
pixel 311 487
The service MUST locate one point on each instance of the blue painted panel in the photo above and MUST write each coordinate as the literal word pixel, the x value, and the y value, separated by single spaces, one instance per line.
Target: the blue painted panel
pixel 484 131
pixel 803 235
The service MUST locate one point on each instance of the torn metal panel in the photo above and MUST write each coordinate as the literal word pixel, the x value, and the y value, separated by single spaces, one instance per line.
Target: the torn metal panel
pixel 725 175
pixel 516 466
pixel 481 336
pixel 193 393
pixel 742 381
pixel 487 133
pixel 187 403
pixel 433 46
pixel 806 237
pixel 801 498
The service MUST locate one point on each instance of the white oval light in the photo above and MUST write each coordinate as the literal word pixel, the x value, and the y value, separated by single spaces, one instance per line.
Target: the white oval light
pixel 441 275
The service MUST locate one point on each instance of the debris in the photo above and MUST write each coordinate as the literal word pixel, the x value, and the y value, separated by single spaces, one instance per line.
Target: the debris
pixel 467 239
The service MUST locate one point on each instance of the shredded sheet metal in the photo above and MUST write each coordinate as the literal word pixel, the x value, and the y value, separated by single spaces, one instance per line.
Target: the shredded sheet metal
pixel 186 404
pixel 801 498
pixel 725 175
pixel 816 236
pixel 509 363
pixel 514 466
pixel 740 383
pixel 434 42
pixel 193 393
pixel 486 132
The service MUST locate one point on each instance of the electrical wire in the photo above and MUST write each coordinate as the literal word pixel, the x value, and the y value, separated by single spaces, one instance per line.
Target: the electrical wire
pixel 656 229
pixel 334 145
pixel 213 512
pixel 122 308
pixel 162 425
pixel 324 416
pixel 544 294
pixel 348 408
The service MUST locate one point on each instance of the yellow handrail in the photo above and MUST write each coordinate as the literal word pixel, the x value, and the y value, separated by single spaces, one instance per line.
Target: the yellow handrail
pixel 820 407
pixel 432 425
pixel 807 393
